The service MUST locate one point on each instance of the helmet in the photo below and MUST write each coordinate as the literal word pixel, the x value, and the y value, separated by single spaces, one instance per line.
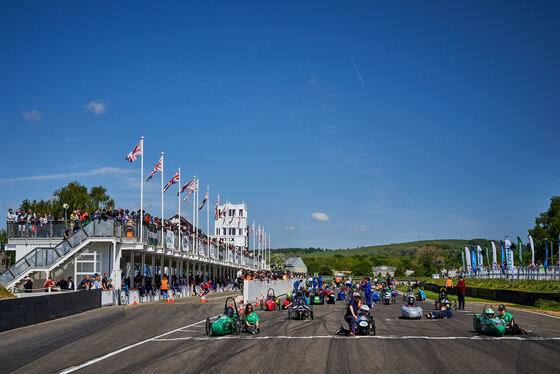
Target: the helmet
pixel 229 311
pixel 410 301
pixel 501 307
pixel 489 312
pixel 364 308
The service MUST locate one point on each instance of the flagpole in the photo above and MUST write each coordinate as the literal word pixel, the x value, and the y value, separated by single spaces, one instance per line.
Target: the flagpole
pixel 142 191
pixel 179 198
pixel 208 219
pixel 197 223
pixel 162 214
pixel 193 217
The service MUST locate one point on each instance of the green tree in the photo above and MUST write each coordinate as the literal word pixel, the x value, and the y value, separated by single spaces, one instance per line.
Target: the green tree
pixel 547 225
pixel 278 261
pixel 427 259
pixel 361 268
pixel 75 195
pixel 399 271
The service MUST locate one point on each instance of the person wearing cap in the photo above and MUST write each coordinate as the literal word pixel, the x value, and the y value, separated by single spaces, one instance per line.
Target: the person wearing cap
pixel 352 313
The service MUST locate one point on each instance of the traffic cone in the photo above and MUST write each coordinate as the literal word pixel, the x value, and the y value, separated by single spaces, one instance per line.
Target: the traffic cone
pixel 173 299
pixel 135 301
pixel 203 299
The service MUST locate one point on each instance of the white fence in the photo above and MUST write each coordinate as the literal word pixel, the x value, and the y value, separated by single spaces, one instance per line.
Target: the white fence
pixel 519 273
pixel 255 289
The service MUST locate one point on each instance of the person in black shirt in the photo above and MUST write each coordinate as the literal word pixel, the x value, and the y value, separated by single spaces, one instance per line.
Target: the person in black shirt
pixel 352 313
pixel 28 285
pixel 104 281
pixel 62 284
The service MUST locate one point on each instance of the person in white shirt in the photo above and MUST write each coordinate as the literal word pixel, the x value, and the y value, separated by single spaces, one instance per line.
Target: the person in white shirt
pixel 10 217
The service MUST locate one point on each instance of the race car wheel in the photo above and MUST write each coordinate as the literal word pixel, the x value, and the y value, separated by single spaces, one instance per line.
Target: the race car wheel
pixel 373 328
pixel 289 315
pixel 262 306
pixel 311 314
pixel 238 328
pixel 208 327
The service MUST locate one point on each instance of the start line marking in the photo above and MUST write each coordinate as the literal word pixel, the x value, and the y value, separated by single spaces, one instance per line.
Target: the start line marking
pixel 101 358
pixel 380 337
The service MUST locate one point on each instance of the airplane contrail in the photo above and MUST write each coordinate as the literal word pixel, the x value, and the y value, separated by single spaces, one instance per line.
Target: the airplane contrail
pixel 356 67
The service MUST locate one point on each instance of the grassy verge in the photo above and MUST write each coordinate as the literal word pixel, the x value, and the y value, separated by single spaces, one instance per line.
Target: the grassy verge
pixel 5 294
pixel 503 284
pixel 542 305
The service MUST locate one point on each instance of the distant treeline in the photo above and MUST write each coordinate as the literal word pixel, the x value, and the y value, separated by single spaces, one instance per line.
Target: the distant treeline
pixel 298 250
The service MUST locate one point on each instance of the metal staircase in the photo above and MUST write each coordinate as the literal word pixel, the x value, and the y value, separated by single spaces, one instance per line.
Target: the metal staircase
pixel 48 259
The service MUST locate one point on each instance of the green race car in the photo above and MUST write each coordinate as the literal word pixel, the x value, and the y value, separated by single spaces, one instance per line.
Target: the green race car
pixel 487 323
pixel 227 323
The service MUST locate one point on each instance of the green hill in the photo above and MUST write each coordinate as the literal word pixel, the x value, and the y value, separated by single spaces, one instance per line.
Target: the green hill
pixel 384 250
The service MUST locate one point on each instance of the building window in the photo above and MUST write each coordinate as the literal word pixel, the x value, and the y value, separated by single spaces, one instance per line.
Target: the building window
pixel 231 212
pixel 232 231
pixel 240 231
pixel 224 231
pixel 240 212
pixel 217 231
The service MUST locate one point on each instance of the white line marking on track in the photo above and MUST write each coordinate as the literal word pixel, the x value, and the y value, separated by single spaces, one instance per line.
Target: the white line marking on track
pixel 101 358
pixel 380 337
pixel 539 313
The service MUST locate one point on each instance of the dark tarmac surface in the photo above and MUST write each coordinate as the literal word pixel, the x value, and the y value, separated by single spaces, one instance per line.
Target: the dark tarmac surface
pixel 154 338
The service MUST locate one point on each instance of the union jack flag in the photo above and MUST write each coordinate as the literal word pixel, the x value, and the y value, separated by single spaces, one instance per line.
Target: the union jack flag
pixel 172 181
pixel 217 207
pixel 204 201
pixel 191 186
pixel 137 151
pixel 158 167
pixel 252 229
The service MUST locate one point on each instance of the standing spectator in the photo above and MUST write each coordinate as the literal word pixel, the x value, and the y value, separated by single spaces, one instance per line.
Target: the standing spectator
pixel 49 284
pixel 95 282
pixel 85 283
pixel 62 284
pixel 70 283
pixel 110 286
pixel 461 292
pixel 28 285
pixel 11 217
pixel 21 220
pixel 104 281
pixel 449 285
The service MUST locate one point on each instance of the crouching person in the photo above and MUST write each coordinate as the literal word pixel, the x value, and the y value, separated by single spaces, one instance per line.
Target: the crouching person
pixel 251 320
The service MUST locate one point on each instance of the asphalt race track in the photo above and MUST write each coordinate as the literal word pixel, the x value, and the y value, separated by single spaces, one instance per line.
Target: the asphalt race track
pixel 154 338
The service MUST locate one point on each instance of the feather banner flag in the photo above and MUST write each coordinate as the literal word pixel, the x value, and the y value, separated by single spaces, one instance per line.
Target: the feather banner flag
pixel 473 258
pixel 503 257
pixel 479 258
pixel 532 250
pixel 468 259
pixel 520 245
pixel 546 254
pixel 494 257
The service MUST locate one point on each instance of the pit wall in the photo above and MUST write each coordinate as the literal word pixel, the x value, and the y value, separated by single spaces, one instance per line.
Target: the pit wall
pixel 255 289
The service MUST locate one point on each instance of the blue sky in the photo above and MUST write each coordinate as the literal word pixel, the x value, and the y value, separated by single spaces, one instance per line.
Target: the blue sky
pixel 397 120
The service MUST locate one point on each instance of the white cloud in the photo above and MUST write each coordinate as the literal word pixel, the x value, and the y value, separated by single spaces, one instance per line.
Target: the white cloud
pixel 290 228
pixel 98 171
pixel 32 116
pixel 97 107
pixel 359 228
pixel 321 216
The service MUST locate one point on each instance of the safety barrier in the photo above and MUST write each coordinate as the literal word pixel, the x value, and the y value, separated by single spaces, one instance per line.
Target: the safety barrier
pixel 508 296
pixel 25 311
pixel 255 289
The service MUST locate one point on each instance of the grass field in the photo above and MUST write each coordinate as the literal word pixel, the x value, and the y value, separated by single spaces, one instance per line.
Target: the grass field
pixel 503 284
